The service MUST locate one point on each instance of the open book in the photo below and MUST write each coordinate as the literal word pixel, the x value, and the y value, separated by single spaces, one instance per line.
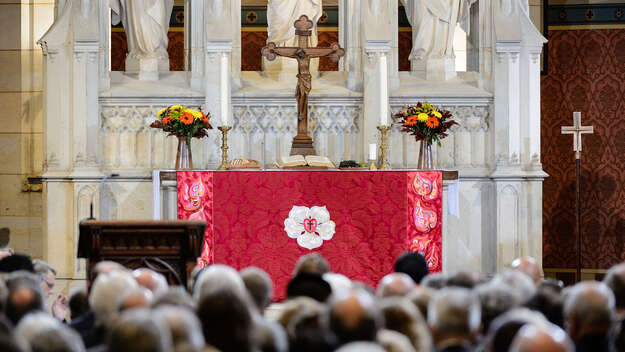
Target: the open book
pixel 300 160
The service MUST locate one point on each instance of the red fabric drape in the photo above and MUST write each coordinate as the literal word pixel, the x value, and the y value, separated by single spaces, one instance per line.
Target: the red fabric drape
pixel 378 215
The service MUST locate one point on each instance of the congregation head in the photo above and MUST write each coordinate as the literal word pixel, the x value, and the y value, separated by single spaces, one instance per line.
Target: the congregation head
pixel 312 310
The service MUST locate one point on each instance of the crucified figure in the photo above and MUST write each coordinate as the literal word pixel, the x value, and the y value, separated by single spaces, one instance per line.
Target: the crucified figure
pixel 302 143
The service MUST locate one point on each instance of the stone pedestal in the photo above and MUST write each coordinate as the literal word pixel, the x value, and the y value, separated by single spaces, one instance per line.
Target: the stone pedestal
pixel 147 69
pixel 434 69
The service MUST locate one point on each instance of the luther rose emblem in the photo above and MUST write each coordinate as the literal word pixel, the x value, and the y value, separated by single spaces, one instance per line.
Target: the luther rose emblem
pixel 310 226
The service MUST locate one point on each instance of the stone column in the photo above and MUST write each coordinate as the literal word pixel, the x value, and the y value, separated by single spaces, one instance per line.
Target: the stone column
pixel 350 39
pixel 217 85
pixel 194 43
pixel 86 121
pixel 376 88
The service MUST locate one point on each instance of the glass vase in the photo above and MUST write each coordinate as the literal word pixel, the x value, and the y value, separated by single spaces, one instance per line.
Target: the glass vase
pixel 426 160
pixel 184 159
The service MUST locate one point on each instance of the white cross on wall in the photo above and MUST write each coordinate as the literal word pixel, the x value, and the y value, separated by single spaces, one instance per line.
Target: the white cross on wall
pixel 577 130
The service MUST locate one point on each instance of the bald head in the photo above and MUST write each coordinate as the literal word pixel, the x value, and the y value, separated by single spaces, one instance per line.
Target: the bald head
pixel 546 339
pixel 355 317
pixel 395 284
pixel 588 309
pixel 528 266
pixel 139 297
pixel 151 280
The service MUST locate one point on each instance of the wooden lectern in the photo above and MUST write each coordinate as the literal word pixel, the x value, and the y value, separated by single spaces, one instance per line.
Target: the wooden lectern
pixel 168 247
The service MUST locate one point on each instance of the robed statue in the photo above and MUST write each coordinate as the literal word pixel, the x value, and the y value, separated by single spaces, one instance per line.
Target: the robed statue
pixel 433 24
pixel 146 23
pixel 281 14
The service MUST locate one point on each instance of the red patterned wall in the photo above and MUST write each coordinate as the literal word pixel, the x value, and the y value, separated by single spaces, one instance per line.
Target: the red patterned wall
pixel 587 74
pixel 252 42
pixel 119 49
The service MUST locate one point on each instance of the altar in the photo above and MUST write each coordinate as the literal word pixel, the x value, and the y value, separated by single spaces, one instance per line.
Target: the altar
pixel 495 149
pixel 360 221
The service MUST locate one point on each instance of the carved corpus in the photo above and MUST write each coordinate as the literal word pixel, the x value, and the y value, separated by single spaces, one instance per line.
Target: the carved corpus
pixel 303 143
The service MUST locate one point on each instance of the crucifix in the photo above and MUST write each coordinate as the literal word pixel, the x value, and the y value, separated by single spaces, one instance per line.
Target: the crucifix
pixel 577 130
pixel 303 143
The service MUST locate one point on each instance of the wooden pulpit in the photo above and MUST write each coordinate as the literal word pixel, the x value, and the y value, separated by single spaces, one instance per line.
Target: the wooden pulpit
pixel 168 247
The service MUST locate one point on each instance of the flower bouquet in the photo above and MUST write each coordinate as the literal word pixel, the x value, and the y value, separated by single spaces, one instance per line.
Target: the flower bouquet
pixel 185 124
pixel 428 124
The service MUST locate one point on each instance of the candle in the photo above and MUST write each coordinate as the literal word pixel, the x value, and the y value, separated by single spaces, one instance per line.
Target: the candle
pixel 224 81
pixel 383 91
pixel 373 152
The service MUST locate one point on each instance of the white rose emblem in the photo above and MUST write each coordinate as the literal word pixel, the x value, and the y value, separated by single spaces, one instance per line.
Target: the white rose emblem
pixel 310 226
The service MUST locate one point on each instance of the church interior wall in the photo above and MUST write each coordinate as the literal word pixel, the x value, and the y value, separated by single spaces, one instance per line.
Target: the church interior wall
pixel 586 73
pixel 21 120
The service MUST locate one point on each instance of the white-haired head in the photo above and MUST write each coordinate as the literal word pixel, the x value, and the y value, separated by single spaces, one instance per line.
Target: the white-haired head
pixel 59 338
pixel 589 309
pixel 218 277
pixel 361 347
pixel 395 284
pixel 106 294
pixel 454 313
pixel 338 282
pixel 185 327
pixel 34 323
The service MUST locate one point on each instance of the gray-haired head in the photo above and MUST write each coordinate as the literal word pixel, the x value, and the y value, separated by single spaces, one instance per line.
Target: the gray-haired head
pixel 588 309
pixel 503 329
pixel 137 297
pixel 420 297
pixel 395 284
pixel 185 327
pixel 139 330
pixel 454 313
pixel 361 347
pixel 25 295
pixel 402 316
pixel 531 338
pixel 174 296
pixel 270 336
pixel 496 297
pixel 615 279
pixel 58 339
pixel 34 323
pixel 435 281
pixel 313 263
pixel 105 296
pixel 519 282
pixel 392 341
pixel 259 286
pixel 219 277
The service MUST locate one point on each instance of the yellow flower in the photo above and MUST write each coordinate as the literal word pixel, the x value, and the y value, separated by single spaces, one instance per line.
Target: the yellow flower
pixel 437 114
pixel 160 112
pixel 176 107
pixel 422 117
pixel 195 113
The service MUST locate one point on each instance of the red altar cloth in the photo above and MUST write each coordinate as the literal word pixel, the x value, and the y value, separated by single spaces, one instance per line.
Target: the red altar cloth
pixel 376 216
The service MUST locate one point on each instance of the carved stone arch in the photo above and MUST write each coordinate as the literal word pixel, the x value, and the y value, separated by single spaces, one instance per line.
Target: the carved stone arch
pixel 108 208
pixel 508 209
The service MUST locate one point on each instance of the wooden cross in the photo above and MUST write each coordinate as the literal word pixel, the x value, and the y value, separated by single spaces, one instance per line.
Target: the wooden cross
pixel 577 130
pixel 302 143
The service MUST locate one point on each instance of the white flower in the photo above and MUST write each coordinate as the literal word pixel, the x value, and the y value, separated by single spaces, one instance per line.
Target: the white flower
pixel 310 226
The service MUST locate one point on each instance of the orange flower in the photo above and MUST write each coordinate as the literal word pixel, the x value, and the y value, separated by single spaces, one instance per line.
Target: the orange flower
pixel 411 120
pixel 166 120
pixel 432 122
pixel 204 118
pixel 186 118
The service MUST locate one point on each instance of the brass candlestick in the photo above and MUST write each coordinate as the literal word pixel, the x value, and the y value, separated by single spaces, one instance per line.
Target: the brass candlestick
pixel 224 146
pixel 384 164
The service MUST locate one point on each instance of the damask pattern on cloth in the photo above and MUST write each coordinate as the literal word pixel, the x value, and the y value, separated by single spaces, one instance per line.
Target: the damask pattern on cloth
pixel 586 74
pixel 377 216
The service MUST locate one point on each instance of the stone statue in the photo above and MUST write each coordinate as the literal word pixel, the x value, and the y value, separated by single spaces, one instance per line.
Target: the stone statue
pixel 281 14
pixel 433 25
pixel 146 23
